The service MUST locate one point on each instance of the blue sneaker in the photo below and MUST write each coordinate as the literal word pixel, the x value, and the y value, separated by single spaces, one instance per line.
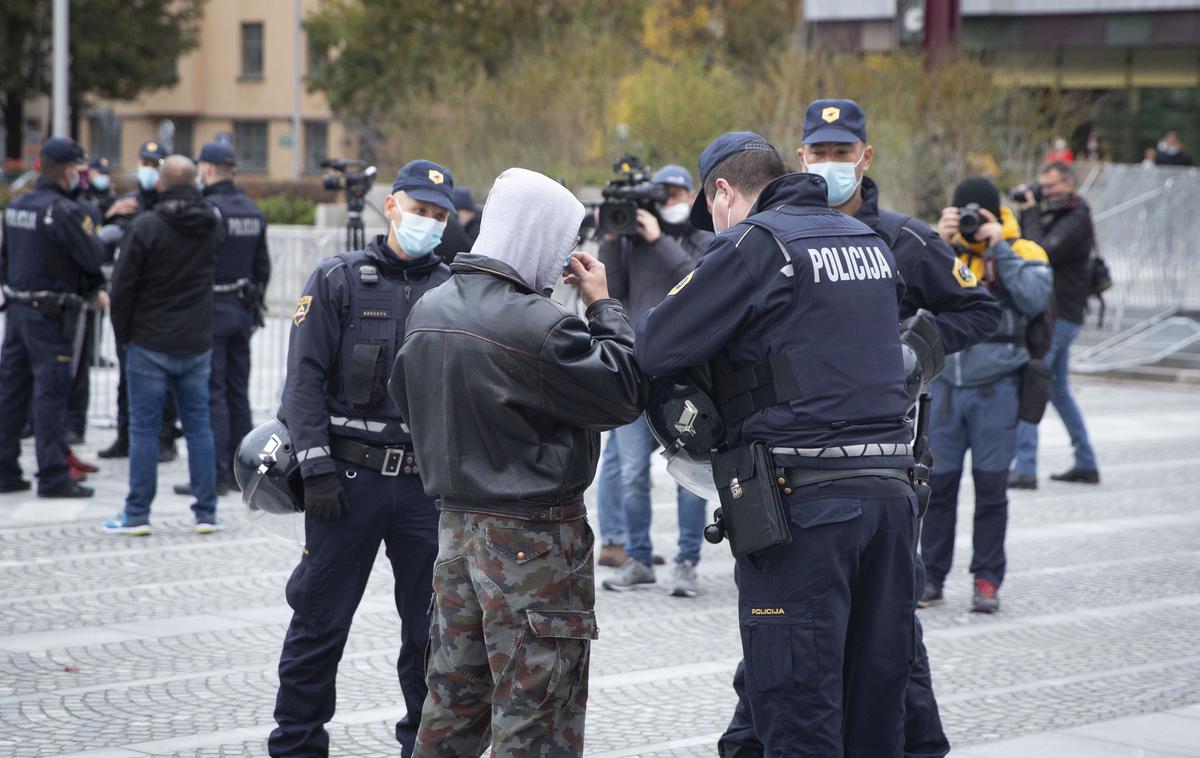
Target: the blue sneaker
pixel 209 527
pixel 121 525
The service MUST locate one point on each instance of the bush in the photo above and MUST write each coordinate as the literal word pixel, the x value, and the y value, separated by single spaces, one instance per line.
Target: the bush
pixel 288 210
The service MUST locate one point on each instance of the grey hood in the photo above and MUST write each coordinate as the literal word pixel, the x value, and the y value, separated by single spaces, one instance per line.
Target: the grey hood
pixel 529 222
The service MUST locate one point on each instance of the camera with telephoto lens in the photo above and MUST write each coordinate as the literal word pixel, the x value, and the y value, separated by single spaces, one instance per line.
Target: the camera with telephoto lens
pixel 969 220
pixel 355 177
pixel 1017 194
pixel 624 195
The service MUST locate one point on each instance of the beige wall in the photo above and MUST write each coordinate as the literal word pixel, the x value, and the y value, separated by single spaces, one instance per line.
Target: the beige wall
pixel 212 91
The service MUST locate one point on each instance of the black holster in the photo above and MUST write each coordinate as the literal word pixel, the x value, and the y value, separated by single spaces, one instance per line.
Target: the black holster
pixel 752 509
pixel 1037 382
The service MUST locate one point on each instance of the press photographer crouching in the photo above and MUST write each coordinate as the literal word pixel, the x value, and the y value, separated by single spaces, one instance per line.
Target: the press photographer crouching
pixel 1059 220
pixel 982 390
pixel 642 269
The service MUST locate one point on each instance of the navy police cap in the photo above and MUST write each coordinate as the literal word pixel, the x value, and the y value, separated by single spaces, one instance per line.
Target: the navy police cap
pixel 673 176
pixel 718 150
pixel 464 200
pixel 63 150
pixel 218 153
pixel 152 150
pixel 834 121
pixel 427 181
pixel 100 165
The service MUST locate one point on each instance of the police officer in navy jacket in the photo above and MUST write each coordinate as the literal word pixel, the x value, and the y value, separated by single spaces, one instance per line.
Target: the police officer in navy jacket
pixel 360 477
pixel 796 307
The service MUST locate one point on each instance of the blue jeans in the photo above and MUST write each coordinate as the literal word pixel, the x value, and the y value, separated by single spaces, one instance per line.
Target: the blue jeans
pixel 608 494
pixel 634 446
pixel 150 375
pixel 1058 361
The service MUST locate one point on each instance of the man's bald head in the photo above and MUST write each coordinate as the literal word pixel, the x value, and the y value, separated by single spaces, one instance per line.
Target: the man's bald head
pixel 177 171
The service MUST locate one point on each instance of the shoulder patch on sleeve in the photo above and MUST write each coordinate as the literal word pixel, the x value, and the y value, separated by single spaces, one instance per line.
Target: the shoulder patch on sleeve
pixel 302 309
pixel 685 281
pixel 89 226
pixel 963 275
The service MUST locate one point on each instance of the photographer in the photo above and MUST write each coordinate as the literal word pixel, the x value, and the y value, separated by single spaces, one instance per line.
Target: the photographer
pixel 1062 224
pixel 976 397
pixel 641 271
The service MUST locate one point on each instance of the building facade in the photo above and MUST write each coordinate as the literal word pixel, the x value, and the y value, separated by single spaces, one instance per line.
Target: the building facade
pixel 1138 59
pixel 239 83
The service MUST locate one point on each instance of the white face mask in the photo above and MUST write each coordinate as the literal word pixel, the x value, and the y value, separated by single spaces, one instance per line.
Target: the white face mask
pixel 841 179
pixel 676 213
pixel 418 235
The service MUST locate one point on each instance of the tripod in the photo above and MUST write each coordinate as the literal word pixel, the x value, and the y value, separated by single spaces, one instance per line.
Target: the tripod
pixel 355 232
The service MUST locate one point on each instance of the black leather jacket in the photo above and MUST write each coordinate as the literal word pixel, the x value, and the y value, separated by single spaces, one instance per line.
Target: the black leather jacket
pixel 506 391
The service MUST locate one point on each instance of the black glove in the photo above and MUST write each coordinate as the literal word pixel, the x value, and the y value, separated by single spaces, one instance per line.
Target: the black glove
pixel 324 498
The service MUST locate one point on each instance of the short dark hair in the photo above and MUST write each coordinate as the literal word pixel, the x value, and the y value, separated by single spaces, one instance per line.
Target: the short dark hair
pixel 747 171
pixel 1064 170
pixel 53 170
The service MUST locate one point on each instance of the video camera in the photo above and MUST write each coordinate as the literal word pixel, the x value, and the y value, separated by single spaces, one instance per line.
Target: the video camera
pixel 630 190
pixel 355 177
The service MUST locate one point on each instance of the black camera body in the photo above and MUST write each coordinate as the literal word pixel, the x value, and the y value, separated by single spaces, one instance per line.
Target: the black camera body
pixel 355 177
pixel 969 221
pixel 1017 194
pixel 624 195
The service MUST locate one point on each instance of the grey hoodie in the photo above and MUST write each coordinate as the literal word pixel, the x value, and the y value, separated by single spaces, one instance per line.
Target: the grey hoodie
pixel 529 222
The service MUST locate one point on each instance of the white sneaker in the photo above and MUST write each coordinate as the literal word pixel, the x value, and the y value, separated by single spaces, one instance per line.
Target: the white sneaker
pixel 205 527
pixel 684 581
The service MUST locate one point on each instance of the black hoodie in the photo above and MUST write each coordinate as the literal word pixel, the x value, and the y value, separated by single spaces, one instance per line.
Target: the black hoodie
pixel 162 286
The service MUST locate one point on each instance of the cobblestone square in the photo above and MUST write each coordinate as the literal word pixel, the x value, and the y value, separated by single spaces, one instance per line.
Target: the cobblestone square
pixel 168 645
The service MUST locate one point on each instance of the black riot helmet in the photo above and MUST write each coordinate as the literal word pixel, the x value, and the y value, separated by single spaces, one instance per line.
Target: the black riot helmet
pixel 685 421
pixel 924 353
pixel 267 470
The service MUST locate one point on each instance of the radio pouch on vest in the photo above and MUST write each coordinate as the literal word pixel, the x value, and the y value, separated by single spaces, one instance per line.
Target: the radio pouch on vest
pixel 365 370
pixel 754 516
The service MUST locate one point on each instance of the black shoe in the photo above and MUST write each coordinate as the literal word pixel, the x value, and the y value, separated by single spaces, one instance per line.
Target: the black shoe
pixel 932 595
pixel 1020 481
pixel 20 485
pixel 1080 475
pixel 167 452
pixel 75 490
pixel 74 438
pixel 182 489
pixel 118 449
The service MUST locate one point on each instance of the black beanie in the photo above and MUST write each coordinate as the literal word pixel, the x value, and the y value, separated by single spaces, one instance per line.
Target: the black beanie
pixel 979 190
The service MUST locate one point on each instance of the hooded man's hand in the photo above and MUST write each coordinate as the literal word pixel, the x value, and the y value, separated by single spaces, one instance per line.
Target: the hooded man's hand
pixel 588 275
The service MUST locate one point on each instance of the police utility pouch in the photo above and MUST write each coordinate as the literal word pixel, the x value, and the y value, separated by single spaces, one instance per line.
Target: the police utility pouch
pixel 366 373
pixel 754 515
pixel 1037 381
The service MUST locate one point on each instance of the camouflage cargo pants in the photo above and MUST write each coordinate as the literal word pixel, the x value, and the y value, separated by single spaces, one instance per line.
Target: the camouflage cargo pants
pixel 511 629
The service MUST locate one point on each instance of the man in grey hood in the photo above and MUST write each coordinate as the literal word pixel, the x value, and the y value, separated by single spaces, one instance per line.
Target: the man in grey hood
pixel 506 393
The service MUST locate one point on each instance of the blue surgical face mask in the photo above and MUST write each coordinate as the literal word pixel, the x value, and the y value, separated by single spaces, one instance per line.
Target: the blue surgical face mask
pixel 841 179
pixel 418 235
pixel 147 177
pixel 74 183
pixel 100 182
pixel 199 182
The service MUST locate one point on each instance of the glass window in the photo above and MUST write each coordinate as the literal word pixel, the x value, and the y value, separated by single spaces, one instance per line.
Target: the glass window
pixel 250 144
pixel 316 144
pixel 106 138
pixel 184 136
pixel 252 50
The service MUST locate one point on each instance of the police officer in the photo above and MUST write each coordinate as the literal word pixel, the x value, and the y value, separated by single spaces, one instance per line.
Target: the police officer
pixel 121 213
pixel 835 147
pixel 361 482
pixel 243 269
pixel 796 308
pixel 50 272
pixel 99 191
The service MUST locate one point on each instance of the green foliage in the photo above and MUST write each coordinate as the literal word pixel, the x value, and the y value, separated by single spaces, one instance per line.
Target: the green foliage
pixel 281 209
pixel 565 87
pixel 119 48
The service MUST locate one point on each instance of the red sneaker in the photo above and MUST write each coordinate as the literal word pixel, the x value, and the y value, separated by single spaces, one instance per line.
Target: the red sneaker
pixel 74 462
pixel 985 599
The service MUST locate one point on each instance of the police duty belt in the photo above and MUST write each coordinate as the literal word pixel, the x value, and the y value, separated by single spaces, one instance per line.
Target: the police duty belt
pixel 388 461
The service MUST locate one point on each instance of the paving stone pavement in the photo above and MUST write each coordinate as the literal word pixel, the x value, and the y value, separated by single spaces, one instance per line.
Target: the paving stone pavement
pixel 167 645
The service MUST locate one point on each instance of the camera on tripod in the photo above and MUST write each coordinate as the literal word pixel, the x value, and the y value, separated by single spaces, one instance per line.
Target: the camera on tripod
pixel 355 177
pixel 630 190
